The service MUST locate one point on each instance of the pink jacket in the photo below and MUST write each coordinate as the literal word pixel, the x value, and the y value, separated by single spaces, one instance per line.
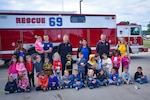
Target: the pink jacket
pixel 20 67
pixel 12 69
pixel 39 46
pixel 23 83
pixel 118 61
pixel 126 61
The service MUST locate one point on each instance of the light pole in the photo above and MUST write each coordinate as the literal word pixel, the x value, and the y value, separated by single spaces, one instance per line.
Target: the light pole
pixel 80 5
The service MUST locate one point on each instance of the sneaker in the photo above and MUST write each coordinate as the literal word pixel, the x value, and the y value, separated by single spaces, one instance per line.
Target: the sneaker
pixel 28 90
pixel 117 84
pixel 70 87
pixel 106 84
pixel 6 92
pixel 77 88
pixel 91 87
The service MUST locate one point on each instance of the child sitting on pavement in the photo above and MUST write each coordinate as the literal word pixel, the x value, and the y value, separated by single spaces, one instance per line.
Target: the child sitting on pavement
pixel 101 78
pixel 114 78
pixel 53 81
pixel 91 79
pixel 11 85
pixel 139 77
pixel 76 80
pixel 23 84
pixel 66 80
pixel 42 81
pixel 126 78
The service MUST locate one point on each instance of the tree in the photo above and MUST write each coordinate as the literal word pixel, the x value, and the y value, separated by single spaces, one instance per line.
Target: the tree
pixel 148 30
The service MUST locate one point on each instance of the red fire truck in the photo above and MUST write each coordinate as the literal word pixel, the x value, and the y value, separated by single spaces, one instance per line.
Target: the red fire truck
pixel 26 26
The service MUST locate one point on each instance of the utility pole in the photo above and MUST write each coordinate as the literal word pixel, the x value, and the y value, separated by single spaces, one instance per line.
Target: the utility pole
pixel 80 5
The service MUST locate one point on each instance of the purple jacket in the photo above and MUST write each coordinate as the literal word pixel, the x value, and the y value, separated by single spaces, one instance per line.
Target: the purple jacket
pixel 12 68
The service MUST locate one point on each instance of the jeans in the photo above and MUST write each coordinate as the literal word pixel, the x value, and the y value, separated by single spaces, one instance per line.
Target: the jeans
pixel 105 81
pixel 141 80
pixel 79 86
pixel 94 85
pixel 114 82
pixel 53 87
pixel 64 84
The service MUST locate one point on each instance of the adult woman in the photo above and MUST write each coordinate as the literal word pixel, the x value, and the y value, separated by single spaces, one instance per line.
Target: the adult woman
pixel 85 49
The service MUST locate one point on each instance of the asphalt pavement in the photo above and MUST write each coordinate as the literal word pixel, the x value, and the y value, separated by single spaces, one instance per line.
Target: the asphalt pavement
pixel 122 92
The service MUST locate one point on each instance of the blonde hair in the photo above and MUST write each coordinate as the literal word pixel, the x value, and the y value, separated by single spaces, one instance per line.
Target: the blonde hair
pixel 56 55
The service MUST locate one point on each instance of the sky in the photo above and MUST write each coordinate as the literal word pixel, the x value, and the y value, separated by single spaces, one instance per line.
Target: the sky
pixel 134 11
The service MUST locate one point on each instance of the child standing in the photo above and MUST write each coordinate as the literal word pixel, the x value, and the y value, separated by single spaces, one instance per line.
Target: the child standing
pixel 76 80
pixel 53 81
pixel 139 77
pixel 102 79
pixel 114 77
pixel 11 85
pixel 12 68
pixel 126 78
pixel 69 63
pixel 20 67
pixel 92 62
pixel 81 65
pixel 106 64
pixel 30 70
pixel 91 81
pixel 47 66
pixel 66 80
pixel 38 45
pixel 38 65
pixel 116 60
pixel 42 81
pixel 57 64
pixel 99 62
pixel 126 61
pixel 23 84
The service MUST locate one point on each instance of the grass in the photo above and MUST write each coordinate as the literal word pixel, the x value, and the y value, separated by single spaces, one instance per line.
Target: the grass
pixel 147 43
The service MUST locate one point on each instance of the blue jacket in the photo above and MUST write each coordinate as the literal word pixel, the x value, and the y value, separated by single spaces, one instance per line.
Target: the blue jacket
pixel 11 85
pixel 38 66
pixel 75 79
pixel 80 68
pixel 54 79
pixel 112 76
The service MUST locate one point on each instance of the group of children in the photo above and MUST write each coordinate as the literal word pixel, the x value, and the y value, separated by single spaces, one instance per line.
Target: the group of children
pixel 101 71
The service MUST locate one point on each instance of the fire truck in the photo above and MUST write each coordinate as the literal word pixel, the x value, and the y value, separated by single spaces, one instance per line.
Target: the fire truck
pixel 27 25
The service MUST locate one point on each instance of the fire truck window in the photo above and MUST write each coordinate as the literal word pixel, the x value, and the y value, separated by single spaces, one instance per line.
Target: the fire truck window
pixel 77 19
pixel 135 31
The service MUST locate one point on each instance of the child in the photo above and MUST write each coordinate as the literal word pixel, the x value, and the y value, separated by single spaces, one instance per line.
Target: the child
pixel 30 70
pixel 76 80
pixel 38 65
pixel 12 68
pixel 102 79
pixel 106 64
pixel 42 81
pixel 66 80
pixel 126 60
pixel 38 45
pixel 23 84
pixel 91 81
pixel 11 85
pixel 92 62
pixel 99 63
pixel 116 60
pixel 57 64
pixel 53 81
pixel 139 77
pixel 114 77
pixel 81 65
pixel 20 67
pixel 126 78
pixel 69 63
pixel 47 66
